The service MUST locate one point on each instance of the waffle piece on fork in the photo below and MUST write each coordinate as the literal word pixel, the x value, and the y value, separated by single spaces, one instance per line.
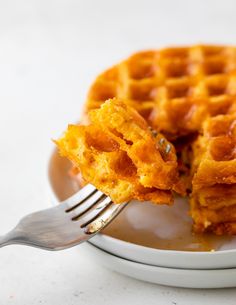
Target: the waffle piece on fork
pixel 121 156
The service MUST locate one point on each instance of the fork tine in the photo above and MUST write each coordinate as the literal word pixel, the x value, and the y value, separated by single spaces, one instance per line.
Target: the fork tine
pixel 79 210
pixel 103 219
pixel 87 191
pixel 92 214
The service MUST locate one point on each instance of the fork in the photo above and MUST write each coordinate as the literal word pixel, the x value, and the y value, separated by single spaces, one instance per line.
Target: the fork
pixel 72 222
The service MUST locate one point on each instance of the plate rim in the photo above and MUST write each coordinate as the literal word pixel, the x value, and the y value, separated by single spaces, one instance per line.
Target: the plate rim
pixel 175 277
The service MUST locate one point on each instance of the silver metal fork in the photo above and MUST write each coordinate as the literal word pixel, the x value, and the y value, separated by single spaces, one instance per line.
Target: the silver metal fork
pixel 73 221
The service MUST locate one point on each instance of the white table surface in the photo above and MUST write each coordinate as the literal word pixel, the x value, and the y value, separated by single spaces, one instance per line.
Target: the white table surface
pixel 50 51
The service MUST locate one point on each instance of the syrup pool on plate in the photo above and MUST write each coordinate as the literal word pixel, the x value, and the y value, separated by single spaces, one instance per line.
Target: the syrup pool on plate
pixel 143 223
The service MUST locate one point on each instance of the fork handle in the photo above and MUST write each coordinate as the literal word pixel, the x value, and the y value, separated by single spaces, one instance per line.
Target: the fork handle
pixel 11 238
pixel 4 240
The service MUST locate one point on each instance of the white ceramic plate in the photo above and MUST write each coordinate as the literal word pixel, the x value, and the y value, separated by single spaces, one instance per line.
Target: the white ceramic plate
pixel 164 231
pixel 187 278
pixel 166 258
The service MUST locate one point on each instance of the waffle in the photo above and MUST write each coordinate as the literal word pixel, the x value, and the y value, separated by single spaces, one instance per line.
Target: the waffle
pixel 121 156
pixel 213 200
pixel 174 89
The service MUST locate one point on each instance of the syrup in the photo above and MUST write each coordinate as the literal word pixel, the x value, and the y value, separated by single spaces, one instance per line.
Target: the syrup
pixel 143 223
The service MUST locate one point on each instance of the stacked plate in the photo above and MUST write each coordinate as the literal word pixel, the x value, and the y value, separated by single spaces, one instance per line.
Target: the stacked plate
pixel 172 268
pixel 155 243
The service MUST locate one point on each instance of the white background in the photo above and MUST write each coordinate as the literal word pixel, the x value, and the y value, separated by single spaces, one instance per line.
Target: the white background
pixel 50 51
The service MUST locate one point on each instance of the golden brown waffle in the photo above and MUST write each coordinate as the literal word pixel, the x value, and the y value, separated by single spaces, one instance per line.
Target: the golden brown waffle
pixel 175 89
pixel 189 95
pixel 213 202
pixel 121 156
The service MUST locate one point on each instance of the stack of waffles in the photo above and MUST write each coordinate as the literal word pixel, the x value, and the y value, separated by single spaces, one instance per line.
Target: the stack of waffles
pixel 188 94
pixel 213 200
